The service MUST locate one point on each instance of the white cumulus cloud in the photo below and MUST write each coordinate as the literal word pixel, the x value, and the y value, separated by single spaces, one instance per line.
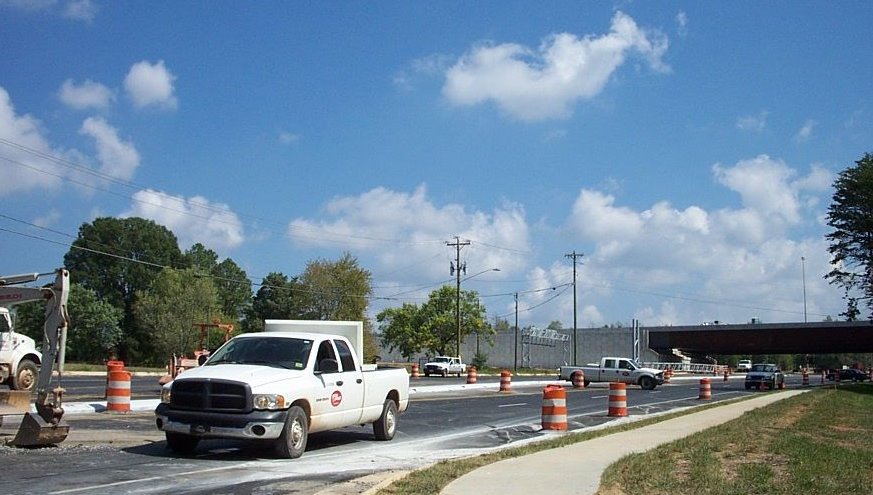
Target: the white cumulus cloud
pixel 376 221
pixel 87 95
pixel 118 158
pixel 753 123
pixel 193 219
pixel 543 83
pixel 150 85
pixel 742 256
pixel 21 140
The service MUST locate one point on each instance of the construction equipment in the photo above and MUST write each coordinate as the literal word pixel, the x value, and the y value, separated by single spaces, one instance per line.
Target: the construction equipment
pixel 181 363
pixel 45 427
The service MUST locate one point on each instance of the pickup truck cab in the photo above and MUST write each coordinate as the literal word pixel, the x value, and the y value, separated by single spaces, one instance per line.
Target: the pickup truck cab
pixel 277 387
pixel 615 369
pixel 445 366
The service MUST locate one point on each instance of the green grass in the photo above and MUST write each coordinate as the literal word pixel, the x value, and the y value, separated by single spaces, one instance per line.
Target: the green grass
pixel 820 442
pixel 102 368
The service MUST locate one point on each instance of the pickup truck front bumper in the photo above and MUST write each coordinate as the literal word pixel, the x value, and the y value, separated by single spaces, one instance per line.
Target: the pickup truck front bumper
pixel 255 425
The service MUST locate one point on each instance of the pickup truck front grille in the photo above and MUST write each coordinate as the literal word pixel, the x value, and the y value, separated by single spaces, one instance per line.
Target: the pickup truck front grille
pixel 211 395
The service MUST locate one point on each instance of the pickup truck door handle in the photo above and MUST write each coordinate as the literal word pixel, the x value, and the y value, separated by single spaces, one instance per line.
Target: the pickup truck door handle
pixel 359 380
pixel 339 383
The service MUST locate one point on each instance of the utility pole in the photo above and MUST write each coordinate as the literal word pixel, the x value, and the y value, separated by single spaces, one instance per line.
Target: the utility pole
pixel 573 256
pixel 458 244
pixel 515 359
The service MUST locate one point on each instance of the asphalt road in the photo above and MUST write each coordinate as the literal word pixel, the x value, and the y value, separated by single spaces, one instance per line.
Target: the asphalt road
pixel 124 453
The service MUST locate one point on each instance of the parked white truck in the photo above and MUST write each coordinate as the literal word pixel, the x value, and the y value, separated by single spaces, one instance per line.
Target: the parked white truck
pixel 616 369
pixel 445 366
pixel 297 377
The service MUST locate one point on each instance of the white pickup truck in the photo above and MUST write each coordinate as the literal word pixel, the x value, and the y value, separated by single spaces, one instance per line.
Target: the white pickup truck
pixel 615 369
pixel 445 366
pixel 297 377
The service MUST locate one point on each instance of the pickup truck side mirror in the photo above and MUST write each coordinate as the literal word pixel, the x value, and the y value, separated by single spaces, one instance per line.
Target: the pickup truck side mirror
pixel 328 366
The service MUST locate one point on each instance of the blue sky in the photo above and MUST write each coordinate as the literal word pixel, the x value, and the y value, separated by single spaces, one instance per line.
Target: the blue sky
pixel 688 149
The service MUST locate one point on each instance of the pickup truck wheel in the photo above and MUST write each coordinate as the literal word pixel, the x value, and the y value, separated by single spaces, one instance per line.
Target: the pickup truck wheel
pixel 586 383
pixel 445 373
pixel 25 377
pixel 292 442
pixel 647 383
pixel 181 443
pixel 386 425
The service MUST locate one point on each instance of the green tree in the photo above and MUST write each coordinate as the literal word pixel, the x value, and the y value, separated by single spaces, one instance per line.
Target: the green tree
pixel 335 290
pixel 400 329
pixel 851 242
pixel 275 299
pixel 439 320
pixel 231 282
pixel 176 301
pixel 118 258
pixel 95 327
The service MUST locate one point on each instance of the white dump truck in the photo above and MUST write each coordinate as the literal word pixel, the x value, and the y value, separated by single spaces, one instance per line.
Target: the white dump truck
pixel 297 377
pixel 615 369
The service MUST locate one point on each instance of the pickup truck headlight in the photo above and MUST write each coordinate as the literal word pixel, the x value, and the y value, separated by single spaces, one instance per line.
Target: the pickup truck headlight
pixel 268 401
pixel 166 395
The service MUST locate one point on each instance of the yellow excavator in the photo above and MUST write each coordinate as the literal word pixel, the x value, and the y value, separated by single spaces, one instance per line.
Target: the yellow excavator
pixel 19 357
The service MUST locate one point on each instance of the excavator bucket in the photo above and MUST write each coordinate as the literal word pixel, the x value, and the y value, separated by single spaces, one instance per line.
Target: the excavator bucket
pixel 35 432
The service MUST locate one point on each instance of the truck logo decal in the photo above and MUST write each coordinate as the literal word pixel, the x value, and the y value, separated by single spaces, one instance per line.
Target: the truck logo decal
pixel 336 398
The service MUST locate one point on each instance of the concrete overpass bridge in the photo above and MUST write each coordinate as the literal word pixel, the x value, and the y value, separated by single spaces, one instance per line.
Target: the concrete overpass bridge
pixel 764 338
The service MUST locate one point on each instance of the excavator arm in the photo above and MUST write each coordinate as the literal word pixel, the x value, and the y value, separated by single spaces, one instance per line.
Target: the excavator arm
pixel 46 426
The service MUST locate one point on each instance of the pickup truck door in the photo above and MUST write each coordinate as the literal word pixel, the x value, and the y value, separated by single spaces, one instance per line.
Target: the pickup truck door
pixel 352 386
pixel 339 393
pixel 610 371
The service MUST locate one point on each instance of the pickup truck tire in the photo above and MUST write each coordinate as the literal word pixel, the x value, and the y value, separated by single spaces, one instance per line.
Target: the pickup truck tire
pixel 292 442
pixel 181 443
pixel 648 383
pixel 25 377
pixel 386 425
pixel 445 373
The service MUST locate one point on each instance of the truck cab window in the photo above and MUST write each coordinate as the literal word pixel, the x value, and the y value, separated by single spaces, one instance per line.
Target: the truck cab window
pixel 325 351
pixel 345 355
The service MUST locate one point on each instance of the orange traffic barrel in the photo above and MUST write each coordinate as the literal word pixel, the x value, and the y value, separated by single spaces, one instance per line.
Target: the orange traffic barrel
pixel 415 371
pixel 118 391
pixel 472 377
pixel 505 381
pixel 578 379
pixel 554 408
pixel 726 373
pixel 705 389
pixel 668 373
pixel 617 399
pixel 114 365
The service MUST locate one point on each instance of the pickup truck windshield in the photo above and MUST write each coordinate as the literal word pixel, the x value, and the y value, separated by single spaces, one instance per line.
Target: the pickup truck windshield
pixel 441 360
pixel 280 352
